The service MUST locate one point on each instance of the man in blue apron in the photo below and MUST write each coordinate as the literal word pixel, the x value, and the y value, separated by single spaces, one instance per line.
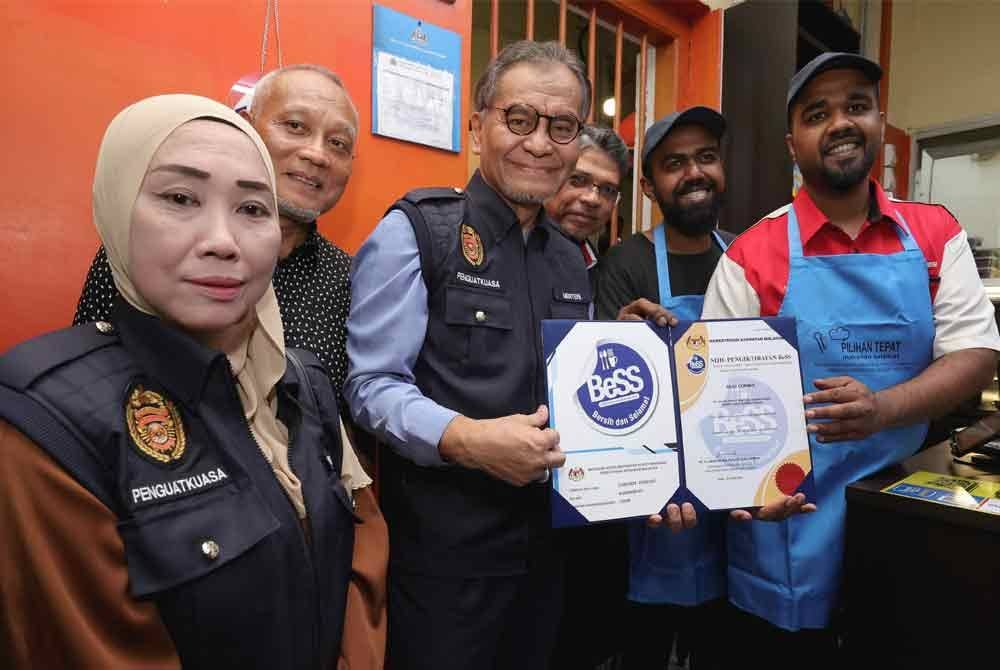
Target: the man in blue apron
pixel 676 580
pixel 894 327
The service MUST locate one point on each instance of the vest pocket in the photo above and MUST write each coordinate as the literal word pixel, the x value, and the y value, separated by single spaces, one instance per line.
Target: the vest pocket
pixel 178 542
pixel 469 307
pixel 479 329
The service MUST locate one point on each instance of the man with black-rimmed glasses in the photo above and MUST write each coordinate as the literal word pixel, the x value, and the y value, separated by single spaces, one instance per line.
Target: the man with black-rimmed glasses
pixel 583 206
pixel 446 368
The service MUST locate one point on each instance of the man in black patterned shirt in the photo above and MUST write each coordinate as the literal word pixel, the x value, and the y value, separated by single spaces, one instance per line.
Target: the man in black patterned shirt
pixel 309 124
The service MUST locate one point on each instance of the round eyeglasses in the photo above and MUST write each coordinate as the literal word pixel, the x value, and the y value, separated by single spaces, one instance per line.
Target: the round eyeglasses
pixel 522 119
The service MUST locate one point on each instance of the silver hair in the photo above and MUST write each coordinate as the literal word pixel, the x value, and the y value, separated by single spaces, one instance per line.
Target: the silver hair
pixel 527 51
pixel 262 89
pixel 608 141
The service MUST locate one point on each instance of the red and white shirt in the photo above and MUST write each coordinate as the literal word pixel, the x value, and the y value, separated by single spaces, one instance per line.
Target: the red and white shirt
pixel 751 278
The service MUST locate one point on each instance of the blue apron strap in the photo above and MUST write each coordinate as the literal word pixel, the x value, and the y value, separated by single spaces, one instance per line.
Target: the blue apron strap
pixel 794 239
pixel 718 240
pixel 905 236
pixel 662 269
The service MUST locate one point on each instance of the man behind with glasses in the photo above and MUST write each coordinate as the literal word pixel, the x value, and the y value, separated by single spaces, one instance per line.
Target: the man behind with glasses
pixel 584 204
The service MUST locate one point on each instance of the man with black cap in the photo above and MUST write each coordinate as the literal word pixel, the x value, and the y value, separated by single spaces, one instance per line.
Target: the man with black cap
pixel 676 580
pixel 894 327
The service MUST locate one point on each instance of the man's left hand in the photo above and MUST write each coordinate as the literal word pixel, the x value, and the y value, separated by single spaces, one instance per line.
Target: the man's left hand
pixel 678 517
pixel 854 413
pixel 647 310
pixel 776 511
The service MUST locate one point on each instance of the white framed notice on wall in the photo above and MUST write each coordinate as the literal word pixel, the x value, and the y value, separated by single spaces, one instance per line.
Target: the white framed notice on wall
pixel 416 80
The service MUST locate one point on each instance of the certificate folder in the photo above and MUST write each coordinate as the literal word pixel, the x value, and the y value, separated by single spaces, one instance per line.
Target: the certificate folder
pixel 707 411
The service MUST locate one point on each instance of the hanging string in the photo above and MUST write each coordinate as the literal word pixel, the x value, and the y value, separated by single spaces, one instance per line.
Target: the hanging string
pixel 271 10
pixel 277 33
pixel 263 39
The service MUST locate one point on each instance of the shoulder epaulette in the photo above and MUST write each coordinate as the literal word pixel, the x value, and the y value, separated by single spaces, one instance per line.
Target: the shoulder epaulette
pixel 26 362
pixel 419 195
pixel 448 205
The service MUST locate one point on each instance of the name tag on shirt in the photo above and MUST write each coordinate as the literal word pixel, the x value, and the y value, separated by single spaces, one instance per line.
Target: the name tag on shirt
pixel 476 280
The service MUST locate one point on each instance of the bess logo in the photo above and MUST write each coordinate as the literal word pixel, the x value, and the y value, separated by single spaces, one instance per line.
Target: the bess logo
pixel 696 365
pixel 620 394
pixel 749 429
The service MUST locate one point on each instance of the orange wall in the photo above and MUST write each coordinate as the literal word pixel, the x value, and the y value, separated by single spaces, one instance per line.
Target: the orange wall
pixel 901 140
pixel 73 65
pixel 689 69
pixel 893 135
pixel 703 83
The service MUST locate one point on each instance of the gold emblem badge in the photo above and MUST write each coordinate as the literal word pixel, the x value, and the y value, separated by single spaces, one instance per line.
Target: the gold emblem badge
pixel 695 342
pixel 155 425
pixel 472 246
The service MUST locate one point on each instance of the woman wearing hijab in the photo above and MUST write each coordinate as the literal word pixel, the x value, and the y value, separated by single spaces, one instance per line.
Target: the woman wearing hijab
pixel 169 483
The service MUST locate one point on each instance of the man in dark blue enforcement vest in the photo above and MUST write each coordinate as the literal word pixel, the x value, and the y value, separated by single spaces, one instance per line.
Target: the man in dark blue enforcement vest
pixel 446 368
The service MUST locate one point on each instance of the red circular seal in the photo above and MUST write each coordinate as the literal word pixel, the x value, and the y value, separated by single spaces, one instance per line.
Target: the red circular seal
pixel 788 477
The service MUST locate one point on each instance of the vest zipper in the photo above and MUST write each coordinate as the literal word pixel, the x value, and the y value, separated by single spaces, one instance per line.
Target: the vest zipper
pixel 533 336
pixel 307 546
pixel 270 463
pixel 246 422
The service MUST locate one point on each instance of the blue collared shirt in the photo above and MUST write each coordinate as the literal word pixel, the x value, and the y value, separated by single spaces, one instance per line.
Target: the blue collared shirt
pixel 385 332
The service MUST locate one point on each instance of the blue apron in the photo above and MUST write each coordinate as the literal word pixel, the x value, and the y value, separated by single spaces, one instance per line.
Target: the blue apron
pixel 686 568
pixel 868 316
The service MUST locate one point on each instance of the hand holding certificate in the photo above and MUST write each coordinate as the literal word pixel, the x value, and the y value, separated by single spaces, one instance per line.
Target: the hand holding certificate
pixel 705 411
pixel 517 449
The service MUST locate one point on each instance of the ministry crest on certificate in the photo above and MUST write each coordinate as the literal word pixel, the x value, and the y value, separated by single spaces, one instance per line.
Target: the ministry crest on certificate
pixel 611 397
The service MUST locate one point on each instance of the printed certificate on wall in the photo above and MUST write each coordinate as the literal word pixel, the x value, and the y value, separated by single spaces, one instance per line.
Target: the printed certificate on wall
pixel 739 392
pixel 416 80
pixel 611 397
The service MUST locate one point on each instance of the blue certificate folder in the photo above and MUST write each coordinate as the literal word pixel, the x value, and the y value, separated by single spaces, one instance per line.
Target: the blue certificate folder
pixel 707 412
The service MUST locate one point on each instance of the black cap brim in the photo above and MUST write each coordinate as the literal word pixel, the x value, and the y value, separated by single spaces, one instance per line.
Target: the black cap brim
pixel 706 117
pixel 830 61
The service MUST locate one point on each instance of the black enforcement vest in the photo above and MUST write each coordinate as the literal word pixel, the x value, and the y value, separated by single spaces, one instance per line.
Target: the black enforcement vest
pixel 488 289
pixel 150 422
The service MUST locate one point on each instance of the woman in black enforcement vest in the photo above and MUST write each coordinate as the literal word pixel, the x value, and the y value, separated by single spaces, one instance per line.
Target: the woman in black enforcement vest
pixel 169 482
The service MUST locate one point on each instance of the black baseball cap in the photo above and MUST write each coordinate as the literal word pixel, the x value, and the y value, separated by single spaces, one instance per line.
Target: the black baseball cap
pixel 831 60
pixel 707 118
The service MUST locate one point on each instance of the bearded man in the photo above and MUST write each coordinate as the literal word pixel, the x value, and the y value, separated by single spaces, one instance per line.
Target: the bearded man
pixel 677 581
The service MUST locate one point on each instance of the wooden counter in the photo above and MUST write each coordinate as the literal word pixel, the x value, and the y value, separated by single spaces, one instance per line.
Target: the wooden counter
pixel 922 579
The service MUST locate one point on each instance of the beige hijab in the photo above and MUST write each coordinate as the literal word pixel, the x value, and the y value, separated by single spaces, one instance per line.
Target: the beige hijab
pixel 126 151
